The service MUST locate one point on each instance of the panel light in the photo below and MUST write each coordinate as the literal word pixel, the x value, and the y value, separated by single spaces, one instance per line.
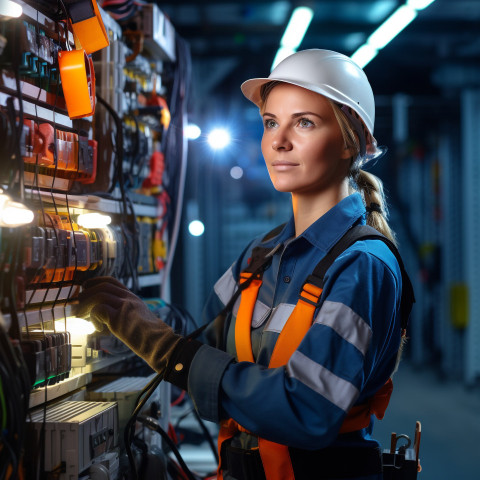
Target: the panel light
pixel 13 214
pixel 93 220
pixel 10 9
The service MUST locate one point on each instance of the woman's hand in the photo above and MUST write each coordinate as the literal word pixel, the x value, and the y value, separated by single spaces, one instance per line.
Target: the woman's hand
pixel 112 307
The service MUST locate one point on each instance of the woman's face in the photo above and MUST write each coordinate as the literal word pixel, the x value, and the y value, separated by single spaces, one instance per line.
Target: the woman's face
pixel 302 142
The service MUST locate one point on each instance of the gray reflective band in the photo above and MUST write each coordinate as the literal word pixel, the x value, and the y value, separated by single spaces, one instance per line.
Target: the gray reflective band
pixel 335 389
pixel 346 323
pixel 279 317
pixel 225 286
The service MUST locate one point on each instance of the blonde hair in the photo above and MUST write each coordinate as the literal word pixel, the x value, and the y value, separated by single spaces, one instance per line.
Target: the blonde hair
pixel 369 186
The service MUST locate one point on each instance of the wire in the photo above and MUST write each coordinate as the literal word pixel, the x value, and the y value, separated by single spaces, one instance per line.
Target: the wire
pixel 153 425
pixel 128 433
pixel 207 435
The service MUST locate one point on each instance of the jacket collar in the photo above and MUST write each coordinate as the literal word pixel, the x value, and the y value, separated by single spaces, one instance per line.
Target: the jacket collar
pixel 329 228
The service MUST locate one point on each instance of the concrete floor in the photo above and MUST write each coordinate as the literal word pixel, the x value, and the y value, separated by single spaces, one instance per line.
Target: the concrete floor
pixel 450 417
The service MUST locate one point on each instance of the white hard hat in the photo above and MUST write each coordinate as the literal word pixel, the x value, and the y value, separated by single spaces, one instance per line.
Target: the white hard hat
pixel 331 74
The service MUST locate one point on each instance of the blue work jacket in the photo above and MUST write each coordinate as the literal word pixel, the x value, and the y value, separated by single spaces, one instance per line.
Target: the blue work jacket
pixel 345 357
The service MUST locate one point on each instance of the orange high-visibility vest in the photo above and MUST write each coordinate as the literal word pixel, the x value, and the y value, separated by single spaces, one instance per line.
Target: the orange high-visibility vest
pixel 275 457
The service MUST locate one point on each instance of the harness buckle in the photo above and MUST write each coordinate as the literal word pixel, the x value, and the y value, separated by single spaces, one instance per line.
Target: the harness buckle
pixel 316 283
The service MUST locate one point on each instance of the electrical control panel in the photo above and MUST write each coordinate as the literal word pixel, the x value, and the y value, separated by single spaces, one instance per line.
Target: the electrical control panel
pixel 92 154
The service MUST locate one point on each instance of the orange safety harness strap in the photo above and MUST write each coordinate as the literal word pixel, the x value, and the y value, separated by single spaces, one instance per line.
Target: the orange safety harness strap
pixel 243 339
pixel 275 457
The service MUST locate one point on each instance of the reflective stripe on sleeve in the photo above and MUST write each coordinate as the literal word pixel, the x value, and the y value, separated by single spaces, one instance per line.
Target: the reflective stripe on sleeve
pixel 349 325
pixel 335 389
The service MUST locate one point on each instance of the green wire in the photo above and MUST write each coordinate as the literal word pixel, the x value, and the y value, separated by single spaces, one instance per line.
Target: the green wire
pixel 4 408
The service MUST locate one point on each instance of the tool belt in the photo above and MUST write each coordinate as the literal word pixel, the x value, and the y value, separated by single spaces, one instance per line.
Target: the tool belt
pixel 325 464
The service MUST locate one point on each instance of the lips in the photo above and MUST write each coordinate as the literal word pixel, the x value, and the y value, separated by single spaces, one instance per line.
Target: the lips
pixel 283 163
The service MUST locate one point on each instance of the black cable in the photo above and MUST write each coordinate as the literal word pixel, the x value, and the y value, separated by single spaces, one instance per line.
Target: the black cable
pixel 207 435
pixel 153 425
pixel 129 430
pixel 120 177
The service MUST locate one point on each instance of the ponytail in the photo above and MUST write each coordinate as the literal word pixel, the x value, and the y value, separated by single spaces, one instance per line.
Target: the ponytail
pixel 368 185
pixel 371 188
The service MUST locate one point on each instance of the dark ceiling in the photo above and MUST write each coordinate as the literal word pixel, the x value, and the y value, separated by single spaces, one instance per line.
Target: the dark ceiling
pixel 233 41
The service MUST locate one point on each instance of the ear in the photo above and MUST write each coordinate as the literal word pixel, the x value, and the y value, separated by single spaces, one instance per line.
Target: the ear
pixel 347 153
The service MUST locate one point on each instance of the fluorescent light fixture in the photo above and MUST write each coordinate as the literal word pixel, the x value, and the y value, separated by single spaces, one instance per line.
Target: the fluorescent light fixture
pixel 218 138
pixel 196 228
pixel 13 214
pixel 292 38
pixel 297 27
pixel 419 4
pixel 192 131
pixel 93 220
pixel 388 30
pixel 391 27
pixel 365 54
pixel 10 9
pixel 282 54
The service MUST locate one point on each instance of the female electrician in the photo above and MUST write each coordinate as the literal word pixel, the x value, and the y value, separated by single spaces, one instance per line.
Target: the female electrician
pixel 291 375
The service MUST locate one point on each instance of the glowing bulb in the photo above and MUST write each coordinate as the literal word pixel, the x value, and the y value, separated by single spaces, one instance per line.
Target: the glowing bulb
pixel 13 214
pixel 10 9
pixel 196 228
pixel 218 138
pixel 76 326
pixel 236 172
pixel 192 131
pixel 93 220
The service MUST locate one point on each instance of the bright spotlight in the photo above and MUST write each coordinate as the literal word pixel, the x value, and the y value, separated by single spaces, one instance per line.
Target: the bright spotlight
pixel 196 228
pixel 236 172
pixel 218 138
pixel 192 131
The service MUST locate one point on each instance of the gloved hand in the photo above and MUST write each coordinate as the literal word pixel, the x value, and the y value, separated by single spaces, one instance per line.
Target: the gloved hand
pixel 112 307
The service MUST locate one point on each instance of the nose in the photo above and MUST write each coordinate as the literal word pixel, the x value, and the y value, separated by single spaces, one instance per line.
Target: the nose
pixel 281 141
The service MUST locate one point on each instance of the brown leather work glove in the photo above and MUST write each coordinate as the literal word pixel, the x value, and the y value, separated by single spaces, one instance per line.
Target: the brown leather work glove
pixel 112 307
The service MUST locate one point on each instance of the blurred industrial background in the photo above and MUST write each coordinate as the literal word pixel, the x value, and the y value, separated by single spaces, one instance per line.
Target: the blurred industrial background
pixel 181 175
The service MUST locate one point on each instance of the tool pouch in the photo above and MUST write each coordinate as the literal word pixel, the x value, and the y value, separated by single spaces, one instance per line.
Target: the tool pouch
pixel 399 466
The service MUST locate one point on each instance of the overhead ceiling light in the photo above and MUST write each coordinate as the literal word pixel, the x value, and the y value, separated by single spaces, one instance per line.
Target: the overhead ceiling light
pixel 365 54
pixel 297 27
pixel 391 27
pixel 292 38
pixel 388 30
pixel 282 54
pixel 419 4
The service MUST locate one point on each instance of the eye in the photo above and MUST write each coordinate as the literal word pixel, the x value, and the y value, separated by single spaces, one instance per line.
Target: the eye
pixel 305 123
pixel 269 123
